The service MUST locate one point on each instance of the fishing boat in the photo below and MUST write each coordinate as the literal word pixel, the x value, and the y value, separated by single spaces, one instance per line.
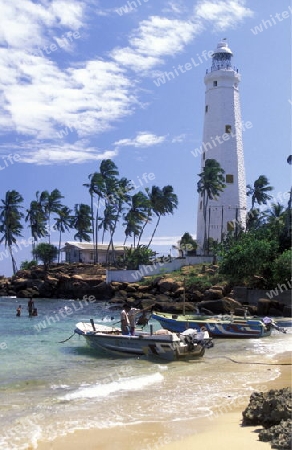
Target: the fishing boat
pixel 226 326
pixel 163 344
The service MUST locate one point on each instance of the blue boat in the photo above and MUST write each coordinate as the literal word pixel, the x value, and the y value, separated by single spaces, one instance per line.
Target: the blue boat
pixel 217 326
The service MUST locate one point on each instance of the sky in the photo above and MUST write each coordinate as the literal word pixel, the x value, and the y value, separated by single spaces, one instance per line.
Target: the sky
pixel 86 80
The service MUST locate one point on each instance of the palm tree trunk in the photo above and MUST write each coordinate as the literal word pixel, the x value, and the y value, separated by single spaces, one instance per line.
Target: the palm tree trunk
pixel 59 246
pixel 157 223
pixel 14 267
pixel 96 236
pixel 92 226
pixel 142 231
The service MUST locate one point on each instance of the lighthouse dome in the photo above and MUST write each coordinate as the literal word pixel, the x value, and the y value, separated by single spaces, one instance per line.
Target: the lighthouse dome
pixel 222 47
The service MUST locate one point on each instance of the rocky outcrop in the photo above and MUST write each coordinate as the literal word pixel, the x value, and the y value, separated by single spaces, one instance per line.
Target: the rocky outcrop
pixel 273 411
pixel 167 294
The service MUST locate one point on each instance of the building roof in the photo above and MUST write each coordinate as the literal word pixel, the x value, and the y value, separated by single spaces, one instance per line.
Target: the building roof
pixel 89 246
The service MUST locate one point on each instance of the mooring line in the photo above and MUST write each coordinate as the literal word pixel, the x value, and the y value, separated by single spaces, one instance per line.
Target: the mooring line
pixel 261 363
pixel 61 342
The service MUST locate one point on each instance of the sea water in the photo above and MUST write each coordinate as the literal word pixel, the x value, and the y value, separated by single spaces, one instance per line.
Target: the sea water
pixel 49 388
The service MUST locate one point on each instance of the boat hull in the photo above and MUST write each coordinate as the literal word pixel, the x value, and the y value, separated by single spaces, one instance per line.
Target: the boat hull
pixel 166 346
pixel 237 328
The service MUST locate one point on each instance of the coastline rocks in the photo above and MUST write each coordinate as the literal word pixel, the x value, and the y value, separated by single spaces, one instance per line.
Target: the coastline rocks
pixel 273 411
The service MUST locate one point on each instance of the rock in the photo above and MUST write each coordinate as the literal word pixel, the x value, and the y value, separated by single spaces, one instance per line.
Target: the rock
pixel 272 410
pixel 143 288
pixel 264 305
pixel 221 306
pixel 279 435
pixel 268 408
pixel 213 294
pixel 287 311
pixel 167 284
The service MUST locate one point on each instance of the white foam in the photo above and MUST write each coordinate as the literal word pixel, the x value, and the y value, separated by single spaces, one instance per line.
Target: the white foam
pixel 104 390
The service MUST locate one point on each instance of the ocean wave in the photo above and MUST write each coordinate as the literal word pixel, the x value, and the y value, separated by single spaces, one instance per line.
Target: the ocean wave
pixel 104 390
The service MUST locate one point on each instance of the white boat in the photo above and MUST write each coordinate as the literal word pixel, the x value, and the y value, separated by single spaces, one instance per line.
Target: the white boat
pixel 162 344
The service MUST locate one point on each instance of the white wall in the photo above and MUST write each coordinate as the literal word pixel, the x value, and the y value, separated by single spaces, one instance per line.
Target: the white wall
pixel 132 276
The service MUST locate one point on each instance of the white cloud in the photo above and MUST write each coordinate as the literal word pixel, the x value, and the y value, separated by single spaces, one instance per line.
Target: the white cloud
pixel 155 38
pixel 178 139
pixel 143 139
pixel 89 97
pixel 33 152
pixel 223 13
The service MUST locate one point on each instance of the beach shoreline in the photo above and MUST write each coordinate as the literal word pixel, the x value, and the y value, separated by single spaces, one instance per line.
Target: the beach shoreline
pixel 223 430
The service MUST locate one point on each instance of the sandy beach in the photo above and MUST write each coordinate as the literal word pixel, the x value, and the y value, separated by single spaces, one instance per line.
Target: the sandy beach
pixel 223 431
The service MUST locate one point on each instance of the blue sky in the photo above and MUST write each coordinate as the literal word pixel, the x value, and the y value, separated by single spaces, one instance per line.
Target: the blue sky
pixel 79 83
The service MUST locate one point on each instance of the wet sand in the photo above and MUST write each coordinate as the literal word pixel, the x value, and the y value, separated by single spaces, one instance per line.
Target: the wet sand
pixel 223 431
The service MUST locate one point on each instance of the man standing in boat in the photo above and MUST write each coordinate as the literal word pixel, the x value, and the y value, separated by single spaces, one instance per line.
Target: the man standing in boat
pixel 132 319
pixel 125 323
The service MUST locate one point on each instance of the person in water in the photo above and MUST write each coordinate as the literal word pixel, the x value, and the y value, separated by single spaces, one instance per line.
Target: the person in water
pixel 18 311
pixel 125 320
pixel 30 306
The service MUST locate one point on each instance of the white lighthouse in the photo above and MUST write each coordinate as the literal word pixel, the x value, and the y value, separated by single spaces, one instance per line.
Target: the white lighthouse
pixel 222 141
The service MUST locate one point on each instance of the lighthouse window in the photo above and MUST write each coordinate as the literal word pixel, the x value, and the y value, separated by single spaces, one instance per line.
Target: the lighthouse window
pixel 201 204
pixel 214 83
pixel 228 129
pixel 206 108
pixel 204 156
pixel 229 178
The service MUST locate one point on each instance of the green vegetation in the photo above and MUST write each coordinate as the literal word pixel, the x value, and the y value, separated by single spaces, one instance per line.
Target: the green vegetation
pixel 137 256
pixel 111 204
pixel 209 186
pixel 45 252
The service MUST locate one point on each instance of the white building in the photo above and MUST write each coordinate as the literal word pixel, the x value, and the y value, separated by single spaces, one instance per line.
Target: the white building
pixel 84 252
pixel 222 141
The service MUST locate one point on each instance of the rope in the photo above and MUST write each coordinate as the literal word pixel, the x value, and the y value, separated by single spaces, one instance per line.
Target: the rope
pixel 62 342
pixel 261 363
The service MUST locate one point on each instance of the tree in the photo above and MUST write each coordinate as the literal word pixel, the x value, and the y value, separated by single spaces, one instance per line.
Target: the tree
pixel 109 188
pixel 46 253
pixel 282 267
pixel 137 215
pixel 249 256
pixel 95 187
pixel 81 221
pixel 259 191
pixel 163 201
pixel 51 204
pixel 187 243
pixel 37 220
pixel 138 256
pixel 210 184
pixel 63 223
pixel 254 219
pixel 120 197
pixel 10 222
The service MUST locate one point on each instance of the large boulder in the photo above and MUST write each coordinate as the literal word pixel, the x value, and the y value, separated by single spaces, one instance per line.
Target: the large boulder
pixel 268 408
pixel 272 410
pixel 167 285
pixel 221 306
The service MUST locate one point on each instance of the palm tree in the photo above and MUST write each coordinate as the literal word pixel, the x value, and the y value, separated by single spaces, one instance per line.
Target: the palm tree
pixel 95 187
pixel 254 219
pixel 163 201
pixel 259 191
pixel 37 221
pixel 10 225
pixel 62 224
pixel 81 221
pixel 211 183
pixel 137 215
pixel 120 197
pixel 51 204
